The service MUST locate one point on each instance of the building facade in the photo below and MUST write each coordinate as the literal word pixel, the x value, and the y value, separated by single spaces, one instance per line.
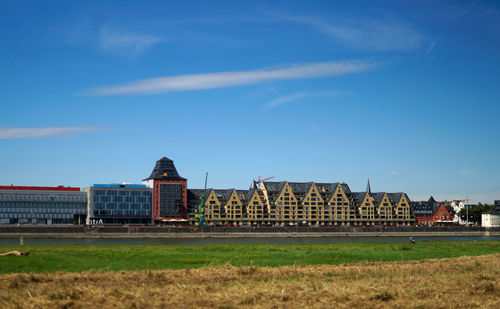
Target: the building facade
pixel 42 205
pixel 431 212
pixel 457 206
pixel 297 203
pixel 169 191
pixel 119 204
pixel 490 219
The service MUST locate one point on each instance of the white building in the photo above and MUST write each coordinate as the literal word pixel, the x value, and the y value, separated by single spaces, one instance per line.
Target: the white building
pixel 457 206
pixel 490 219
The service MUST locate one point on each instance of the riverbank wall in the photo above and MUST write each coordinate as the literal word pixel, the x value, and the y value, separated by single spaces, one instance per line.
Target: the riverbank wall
pixel 239 232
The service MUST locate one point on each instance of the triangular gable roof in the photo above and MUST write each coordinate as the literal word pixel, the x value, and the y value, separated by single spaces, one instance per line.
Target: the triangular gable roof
pixel 358 197
pixel 273 189
pixel 223 195
pixel 394 198
pixel 300 189
pixel 273 186
pixel 244 195
pixel 436 206
pixel 327 190
pixel 377 198
pixel 346 188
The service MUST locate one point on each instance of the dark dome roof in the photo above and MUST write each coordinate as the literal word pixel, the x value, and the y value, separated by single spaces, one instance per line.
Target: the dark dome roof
pixel 164 169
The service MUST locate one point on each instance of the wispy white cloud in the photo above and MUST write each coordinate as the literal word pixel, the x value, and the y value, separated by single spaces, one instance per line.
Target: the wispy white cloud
pixel 40 132
pixel 466 172
pixel 366 34
pixel 126 44
pixel 392 173
pixel 301 95
pixel 430 48
pixel 236 78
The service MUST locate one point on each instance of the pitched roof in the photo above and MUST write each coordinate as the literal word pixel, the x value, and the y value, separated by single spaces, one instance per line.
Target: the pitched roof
pixel 428 207
pixel 273 189
pixel 395 197
pixel 165 169
pixel 377 198
pixel 358 197
pixel 244 195
pixel 223 195
pixel 327 190
pixel 193 199
pixel 272 186
pixel 300 189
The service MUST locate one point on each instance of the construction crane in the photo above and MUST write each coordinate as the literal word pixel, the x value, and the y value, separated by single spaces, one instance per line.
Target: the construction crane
pixel 256 182
pixel 201 209
pixel 263 179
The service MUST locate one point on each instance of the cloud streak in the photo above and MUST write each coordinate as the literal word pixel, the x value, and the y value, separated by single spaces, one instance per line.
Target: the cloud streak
pixel 430 48
pixel 466 172
pixel 235 78
pixel 126 44
pixel 301 95
pixel 41 132
pixel 369 34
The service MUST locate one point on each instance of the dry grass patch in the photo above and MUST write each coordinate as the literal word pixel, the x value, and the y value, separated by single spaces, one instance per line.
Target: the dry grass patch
pixel 465 282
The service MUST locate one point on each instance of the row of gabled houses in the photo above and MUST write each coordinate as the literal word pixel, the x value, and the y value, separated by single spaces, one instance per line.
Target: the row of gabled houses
pixel 296 203
pixel 164 197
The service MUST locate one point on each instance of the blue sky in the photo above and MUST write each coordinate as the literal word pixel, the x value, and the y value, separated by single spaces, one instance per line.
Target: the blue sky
pixel 403 92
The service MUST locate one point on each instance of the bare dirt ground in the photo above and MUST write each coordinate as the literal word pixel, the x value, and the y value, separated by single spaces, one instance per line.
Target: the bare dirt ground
pixel 465 282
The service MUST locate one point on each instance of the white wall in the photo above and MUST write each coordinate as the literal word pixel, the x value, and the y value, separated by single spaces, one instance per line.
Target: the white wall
pixel 490 220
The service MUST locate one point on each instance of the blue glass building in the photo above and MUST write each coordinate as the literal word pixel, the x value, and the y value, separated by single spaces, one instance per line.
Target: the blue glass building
pixel 119 204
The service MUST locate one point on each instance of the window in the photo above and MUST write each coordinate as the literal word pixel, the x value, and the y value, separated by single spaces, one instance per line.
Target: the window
pixel 170 199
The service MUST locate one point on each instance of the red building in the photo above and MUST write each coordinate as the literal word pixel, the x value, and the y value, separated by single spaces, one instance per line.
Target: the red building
pixel 169 191
pixel 431 212
pixel 442 215
pixel 32 188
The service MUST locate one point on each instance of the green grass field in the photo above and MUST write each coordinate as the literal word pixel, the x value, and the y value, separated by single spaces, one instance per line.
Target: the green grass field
pixel 76 258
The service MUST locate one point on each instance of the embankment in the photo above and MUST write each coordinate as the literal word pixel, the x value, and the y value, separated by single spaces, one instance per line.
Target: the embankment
pixel 34 231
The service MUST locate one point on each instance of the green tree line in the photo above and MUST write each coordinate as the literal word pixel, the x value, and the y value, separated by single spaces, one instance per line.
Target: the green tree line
pixel 475 212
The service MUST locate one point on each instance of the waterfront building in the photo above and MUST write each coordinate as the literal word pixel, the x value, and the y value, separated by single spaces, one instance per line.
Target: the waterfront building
pixel 431 212
pixel 457 206
pixel 119 204
pixel 169 191
pixel 42 205
pixel 490 219
pixel 302 203
pixel 497 206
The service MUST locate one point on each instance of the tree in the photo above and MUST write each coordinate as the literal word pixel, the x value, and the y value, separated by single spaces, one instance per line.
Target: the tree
pixel 475 212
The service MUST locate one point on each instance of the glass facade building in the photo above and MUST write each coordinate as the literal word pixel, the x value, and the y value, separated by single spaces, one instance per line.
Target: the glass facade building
pixel 42 205
pixel 119 204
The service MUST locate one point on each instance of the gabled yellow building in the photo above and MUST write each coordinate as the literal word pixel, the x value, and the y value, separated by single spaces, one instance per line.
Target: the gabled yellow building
pixel 303 203
pixel 384 208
